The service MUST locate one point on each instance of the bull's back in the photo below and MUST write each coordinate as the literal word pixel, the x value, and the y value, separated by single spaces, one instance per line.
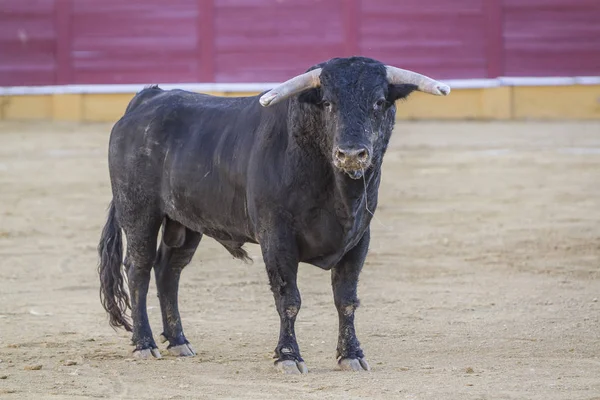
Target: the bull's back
pixel 188 153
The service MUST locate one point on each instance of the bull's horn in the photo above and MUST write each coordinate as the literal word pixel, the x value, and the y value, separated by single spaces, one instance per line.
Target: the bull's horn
pixel 291 87
pixel 423 83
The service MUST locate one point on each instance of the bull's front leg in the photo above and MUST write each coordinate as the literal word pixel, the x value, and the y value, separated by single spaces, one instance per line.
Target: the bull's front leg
pixel 281 259
pixel 344 279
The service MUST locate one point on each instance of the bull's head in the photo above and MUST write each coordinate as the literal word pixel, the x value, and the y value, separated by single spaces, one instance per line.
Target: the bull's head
pixel 354 99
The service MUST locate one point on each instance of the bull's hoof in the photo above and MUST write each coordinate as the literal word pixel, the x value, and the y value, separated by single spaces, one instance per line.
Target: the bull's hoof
pixel 179 350
pixel 144 354
pixel 291 367
pixel 182 350
pixel 354 364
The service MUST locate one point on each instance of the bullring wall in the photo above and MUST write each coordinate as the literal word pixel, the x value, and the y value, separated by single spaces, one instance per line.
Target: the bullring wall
pixel 505 59
pixel 566 101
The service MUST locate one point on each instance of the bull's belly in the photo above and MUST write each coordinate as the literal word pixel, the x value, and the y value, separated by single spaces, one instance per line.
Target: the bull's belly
pixel 220 223
pixel 322 238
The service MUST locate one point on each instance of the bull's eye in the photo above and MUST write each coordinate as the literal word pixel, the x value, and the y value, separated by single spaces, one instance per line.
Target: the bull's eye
pixel 379 104
pixel 327 105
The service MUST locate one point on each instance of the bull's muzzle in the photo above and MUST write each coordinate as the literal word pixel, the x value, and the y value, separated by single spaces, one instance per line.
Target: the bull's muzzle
pixel 352 160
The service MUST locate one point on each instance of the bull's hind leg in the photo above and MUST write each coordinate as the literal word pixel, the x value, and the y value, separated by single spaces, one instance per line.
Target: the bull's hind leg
pixel 344 279
pixel 141 252
pixel 174 253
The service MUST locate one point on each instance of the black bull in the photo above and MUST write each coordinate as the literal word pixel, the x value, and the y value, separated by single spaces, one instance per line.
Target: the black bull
pixel 296 170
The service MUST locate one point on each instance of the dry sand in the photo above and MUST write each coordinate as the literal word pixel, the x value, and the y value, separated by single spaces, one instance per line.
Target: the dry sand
pixel 482 280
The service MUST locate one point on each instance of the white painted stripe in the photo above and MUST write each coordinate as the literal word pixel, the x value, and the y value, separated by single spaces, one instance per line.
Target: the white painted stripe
pixel 133 88
pixel 587 80
pixel 535 81
pixel 259 87
pixel 549 81
pixel 471 83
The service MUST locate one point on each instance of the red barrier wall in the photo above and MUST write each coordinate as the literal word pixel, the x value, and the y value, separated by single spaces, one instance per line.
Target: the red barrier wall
pixel 46 42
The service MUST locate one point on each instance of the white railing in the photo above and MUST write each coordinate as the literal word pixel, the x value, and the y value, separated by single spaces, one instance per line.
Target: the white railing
pixel 259 87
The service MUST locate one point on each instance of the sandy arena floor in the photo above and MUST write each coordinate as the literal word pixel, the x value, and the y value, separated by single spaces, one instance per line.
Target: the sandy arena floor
pixel 482 281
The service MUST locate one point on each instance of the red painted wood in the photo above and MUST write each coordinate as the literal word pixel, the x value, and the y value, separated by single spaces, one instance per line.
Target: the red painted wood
pixel 27 42
pixel 552 37
pixel 494 38
pixel 350 9
pixel 135 41
pixel 441 38
pixel 63 21
pixel 147 41
pixel 273 40
pixel 206 40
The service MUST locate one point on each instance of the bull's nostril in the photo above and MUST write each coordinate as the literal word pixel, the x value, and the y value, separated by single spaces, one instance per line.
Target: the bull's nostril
pixel 362 155
pixel 340 155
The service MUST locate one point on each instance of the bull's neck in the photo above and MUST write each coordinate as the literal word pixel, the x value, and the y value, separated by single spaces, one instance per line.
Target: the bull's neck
pixel 355 194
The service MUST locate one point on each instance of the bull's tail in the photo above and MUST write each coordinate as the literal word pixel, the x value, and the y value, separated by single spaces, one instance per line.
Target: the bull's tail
pixel 142 96
pixel 113 296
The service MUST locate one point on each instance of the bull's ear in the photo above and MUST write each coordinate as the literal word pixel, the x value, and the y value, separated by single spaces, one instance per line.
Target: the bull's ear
pixel 312 96
pixel 400 91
